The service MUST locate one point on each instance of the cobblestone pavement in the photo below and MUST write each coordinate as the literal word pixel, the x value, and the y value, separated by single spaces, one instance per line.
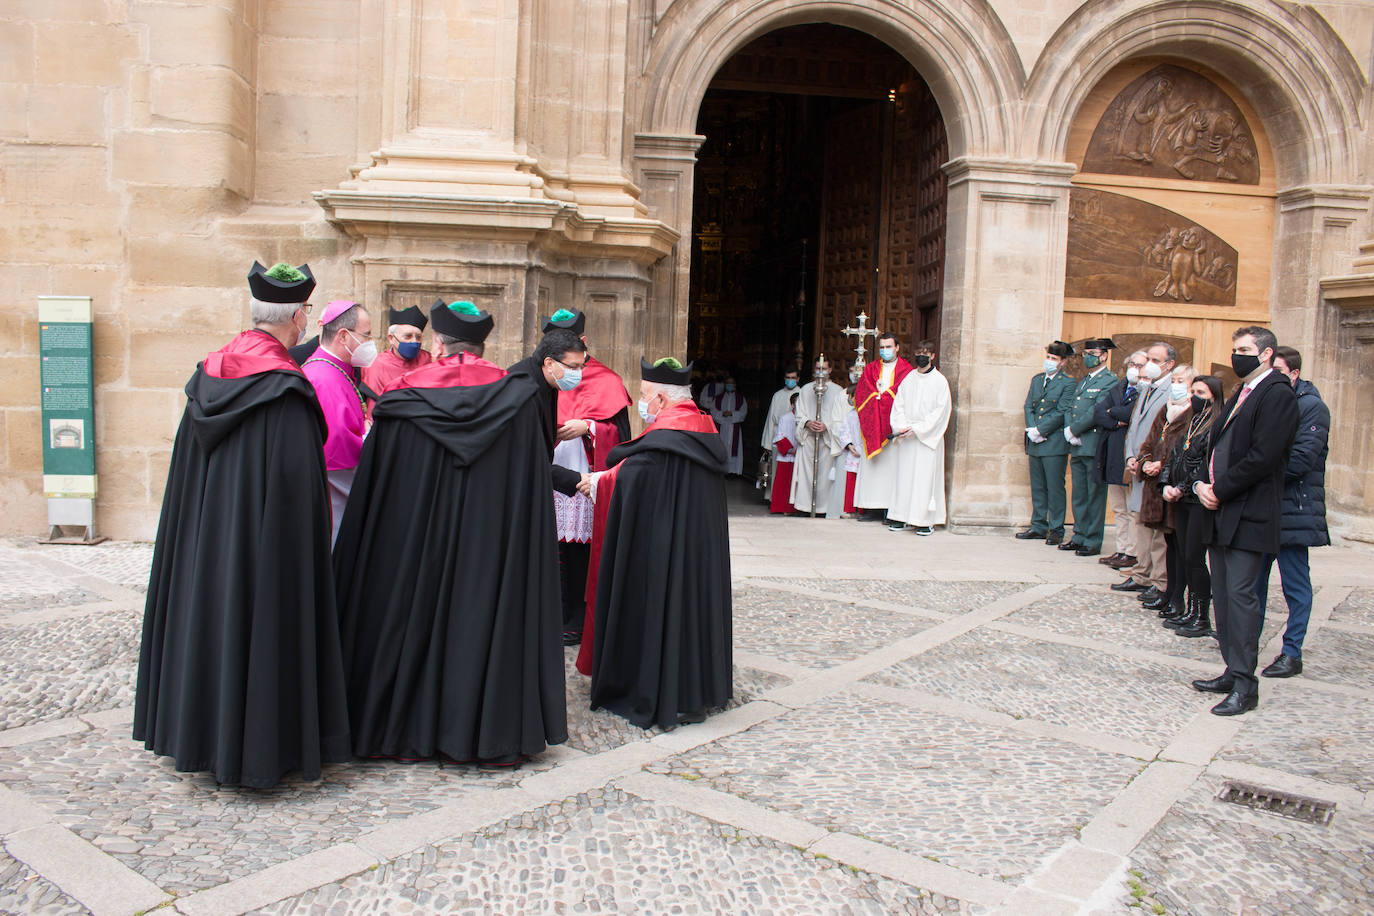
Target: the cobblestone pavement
pixel 953 724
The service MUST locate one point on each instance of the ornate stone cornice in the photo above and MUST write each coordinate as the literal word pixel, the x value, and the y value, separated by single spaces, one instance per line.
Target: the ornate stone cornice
pixel 1009 171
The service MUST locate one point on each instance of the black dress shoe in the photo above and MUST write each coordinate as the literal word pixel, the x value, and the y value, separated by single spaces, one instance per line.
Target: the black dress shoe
pixel 1070 545
pixel 1158 604
pixel 1108 561
pixel 1088 551
pixel 1283 666
pixel 1150 594
pixel 1053 538
pixel 1030 534
pixel 1236 703
pixel 1221 684
pixel 1130 585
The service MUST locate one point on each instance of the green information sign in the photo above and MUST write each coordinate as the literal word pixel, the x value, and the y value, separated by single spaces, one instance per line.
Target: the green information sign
pixel 68 402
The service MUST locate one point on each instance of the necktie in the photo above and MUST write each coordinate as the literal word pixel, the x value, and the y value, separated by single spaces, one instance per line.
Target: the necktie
pixel 1211 461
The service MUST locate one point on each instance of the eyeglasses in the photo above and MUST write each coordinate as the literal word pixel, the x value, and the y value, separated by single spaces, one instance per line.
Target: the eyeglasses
pixel 566 366
pixel 306 307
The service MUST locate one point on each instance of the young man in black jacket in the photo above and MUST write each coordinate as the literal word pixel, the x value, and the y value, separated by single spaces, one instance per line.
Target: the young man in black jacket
pixel 1244 490
pixel 1304 513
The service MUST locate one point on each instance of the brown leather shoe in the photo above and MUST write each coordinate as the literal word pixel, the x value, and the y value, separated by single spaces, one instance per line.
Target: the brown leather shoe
pixel 1107 561
pixel 1122 563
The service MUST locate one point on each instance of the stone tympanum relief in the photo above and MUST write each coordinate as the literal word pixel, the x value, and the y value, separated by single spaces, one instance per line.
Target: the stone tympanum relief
pixel 1173 123
pixel 1126 249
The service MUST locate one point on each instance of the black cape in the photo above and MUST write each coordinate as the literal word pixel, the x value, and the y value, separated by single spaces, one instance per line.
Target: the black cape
pixel 446 567
pixel 564 480
pixel 663 610
pixel 239 671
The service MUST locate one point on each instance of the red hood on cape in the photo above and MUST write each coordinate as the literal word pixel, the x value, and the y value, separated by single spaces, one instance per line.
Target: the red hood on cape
pixel 249 353
pixel 874 409
pixel 599 396
pixel 450 372
pixel 683 416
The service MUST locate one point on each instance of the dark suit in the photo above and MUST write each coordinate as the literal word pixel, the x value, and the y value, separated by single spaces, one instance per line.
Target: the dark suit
pixel 1247 460
pixel 1047 403
pixel 1089 494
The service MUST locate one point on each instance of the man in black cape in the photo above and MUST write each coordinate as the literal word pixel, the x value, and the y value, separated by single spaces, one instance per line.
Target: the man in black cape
pixel 661 544
pixel 449 605
pixel 239 670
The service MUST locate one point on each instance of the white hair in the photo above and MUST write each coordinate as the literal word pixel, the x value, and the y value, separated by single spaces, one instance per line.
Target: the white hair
pixel 1141 353
pixel 672 393
pixel 273 312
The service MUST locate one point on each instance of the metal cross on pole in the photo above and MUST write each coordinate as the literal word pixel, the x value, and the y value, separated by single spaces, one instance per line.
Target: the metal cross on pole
pixel 860 332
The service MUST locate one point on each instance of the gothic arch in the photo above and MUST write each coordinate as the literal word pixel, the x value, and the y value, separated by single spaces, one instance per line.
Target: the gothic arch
pixel 960 48
pixel 1290 64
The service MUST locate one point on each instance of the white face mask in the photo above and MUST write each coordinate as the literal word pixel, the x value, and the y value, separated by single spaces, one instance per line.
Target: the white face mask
pixel 644 412
pixel 364 354
pixel 1178 391
pixel 1051 366
pixel 1132 375
pixel 1152 371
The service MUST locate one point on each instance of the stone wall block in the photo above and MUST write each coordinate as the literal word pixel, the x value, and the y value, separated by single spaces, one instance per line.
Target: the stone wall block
pixel 75 11
pixel 56 176
pixel 67 114
pixel 19 380
pixel 123 479
pixel 199 35
pixel 135 419
pixel 24 440
pixel 184 308
pixel 321 19
pixel 156 210
pixel 301 65
pixel 182 261
pixel 166 359
pixel 205 96
pixel 17 43
pixel 73 235
pixel 14 111
pixel 183 158
pixel 26 511
pixel 307 125
pixel 292 178
pixel 78 53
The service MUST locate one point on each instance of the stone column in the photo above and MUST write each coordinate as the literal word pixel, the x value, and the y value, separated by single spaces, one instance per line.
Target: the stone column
pixel 1007 235
pixel 664 168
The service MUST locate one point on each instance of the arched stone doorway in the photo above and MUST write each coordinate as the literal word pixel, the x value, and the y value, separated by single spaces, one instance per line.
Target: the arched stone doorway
pixel 819 196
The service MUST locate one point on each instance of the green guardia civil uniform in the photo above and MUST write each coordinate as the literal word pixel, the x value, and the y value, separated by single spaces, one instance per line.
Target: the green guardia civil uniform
pixel 1047 403
pixel 1089 494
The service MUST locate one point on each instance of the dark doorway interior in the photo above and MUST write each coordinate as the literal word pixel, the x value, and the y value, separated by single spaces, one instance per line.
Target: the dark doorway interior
pixel 818 195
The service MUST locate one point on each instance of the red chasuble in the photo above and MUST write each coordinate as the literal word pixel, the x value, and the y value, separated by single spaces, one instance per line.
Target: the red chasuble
pixel 874 409
pixel 250 353
pixel 599 397
pixel 450 372
pixel 683 416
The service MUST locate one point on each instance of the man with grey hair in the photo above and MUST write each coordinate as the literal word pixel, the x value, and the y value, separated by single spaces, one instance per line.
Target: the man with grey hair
pixel 243 548
pixel 1113 415
pixel 1149 575
pixel 657 642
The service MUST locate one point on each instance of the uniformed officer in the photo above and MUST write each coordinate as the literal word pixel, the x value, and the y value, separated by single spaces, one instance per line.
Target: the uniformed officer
pixel 1047 403
pixel 1082 433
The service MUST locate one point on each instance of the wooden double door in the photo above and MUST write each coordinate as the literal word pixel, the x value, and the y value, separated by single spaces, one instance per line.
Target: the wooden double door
pixel 883 213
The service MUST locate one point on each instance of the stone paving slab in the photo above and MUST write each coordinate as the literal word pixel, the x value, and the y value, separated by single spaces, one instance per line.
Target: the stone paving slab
pixel 1063 685
pixel 1338 657
pixel 813 632
pixel 1207 856
pixel 925 594
pixel 607 851
pixel 1308 733
pixel 1357 608
pixel 22 890
pixel 68 667
pixel 124 563
pixel 979 798
pixel 27 586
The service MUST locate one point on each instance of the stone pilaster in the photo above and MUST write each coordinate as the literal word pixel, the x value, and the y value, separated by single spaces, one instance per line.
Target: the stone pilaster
pixel 664 167
pixel 1004 301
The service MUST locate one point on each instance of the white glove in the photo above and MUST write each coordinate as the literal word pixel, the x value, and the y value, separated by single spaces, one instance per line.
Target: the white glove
pixel 1071 438
pixel 1032 433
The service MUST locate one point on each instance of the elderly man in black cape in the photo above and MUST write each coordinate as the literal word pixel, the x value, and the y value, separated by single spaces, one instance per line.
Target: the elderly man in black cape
pixel 661 553
pixel 449 605
pixel 239 670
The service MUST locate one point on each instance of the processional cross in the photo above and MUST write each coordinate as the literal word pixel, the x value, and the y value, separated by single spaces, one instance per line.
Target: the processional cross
pixel 863 330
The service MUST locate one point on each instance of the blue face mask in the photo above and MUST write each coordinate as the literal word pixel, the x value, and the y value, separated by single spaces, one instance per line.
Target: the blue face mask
pixel 729 386
pixel 570 380
pixel 408 350
pixel 789 383
pixel 887 354
pixel 644 413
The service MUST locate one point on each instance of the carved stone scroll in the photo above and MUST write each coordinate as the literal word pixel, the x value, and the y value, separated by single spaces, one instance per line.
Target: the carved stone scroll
pixel 1121 248
pixel 1174 123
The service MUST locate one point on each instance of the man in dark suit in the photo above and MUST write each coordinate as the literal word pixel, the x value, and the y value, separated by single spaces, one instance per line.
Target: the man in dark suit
pixel 1050 397
pixel 1113 415
pixel 1082 431
pixel 1244 490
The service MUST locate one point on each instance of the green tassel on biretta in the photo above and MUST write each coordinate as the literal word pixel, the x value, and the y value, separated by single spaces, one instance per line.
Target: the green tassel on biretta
pixel 285 273
pixel 562 315
pixel 463 307
pixel 669 362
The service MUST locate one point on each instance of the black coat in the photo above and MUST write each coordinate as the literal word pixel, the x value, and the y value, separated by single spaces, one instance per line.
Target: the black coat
pixel 239 670
pixel 1250 455
pixel 447 573
pixel 1187 461
pixel 564 480
pixel 1304 488
pixel 1112 415
pixel 663 605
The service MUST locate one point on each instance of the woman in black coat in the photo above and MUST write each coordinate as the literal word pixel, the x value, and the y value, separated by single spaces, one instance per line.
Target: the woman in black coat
pixel 1186 465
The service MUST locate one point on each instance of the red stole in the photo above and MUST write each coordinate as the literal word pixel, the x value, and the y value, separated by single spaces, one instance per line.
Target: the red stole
pixel 450 372
pixel 597 398
pixel 874 409
pixel 249 353
pixel 683 416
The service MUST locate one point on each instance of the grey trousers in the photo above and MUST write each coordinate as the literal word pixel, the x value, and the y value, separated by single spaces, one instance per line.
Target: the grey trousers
pixel 1238 612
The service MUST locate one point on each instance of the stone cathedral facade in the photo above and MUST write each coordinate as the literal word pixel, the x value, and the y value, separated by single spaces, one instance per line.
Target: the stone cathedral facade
pixel 720 180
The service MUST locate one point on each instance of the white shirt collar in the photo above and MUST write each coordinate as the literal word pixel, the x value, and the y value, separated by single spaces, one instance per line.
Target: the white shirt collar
pixel 1259 378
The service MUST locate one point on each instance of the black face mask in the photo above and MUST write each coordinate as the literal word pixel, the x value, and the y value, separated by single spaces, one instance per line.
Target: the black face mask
pixel 922 360
pixel 1200 404
pixel 1244 363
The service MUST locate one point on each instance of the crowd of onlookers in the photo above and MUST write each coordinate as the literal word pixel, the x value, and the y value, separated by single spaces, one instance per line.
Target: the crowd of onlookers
pixel 1207 491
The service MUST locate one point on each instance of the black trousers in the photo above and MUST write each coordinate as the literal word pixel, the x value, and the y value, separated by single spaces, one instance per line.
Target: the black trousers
pixel 572 575
pixel 1239 614
pixel 1173 566
pixel 1189 528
